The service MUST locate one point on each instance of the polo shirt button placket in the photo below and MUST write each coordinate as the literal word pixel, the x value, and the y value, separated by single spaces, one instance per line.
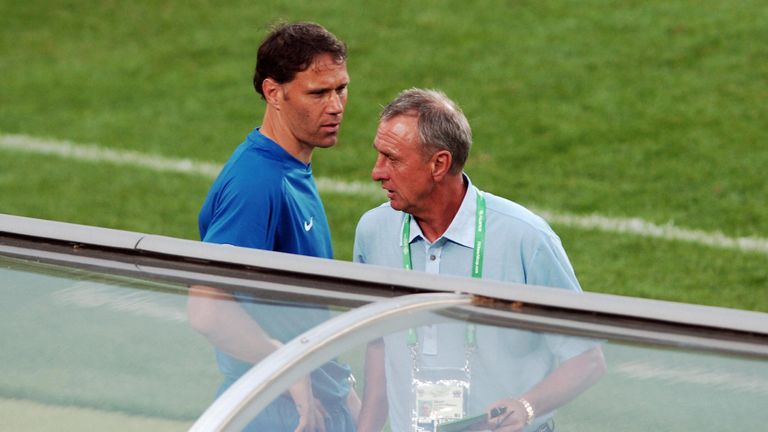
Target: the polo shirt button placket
pixel 433 260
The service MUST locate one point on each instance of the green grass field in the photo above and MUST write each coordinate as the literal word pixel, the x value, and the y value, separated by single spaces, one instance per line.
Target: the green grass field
pixel 652 110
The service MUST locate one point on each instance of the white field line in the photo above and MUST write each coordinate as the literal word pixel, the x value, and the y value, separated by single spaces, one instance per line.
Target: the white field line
pixel 713 379
pixel 142 303
pixel 633 226
pixel 92 153
pixel 666 232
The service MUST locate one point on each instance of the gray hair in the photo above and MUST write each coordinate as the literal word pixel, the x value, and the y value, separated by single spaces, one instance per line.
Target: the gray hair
pixel 441 123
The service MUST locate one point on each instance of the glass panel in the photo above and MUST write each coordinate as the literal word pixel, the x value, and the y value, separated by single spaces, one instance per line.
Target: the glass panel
pixel 415 379
pixel 648 388
pixel 84 350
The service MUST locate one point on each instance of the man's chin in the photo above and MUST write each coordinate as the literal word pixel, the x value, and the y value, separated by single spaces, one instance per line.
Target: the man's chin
pixel 395 205
pixel 328 142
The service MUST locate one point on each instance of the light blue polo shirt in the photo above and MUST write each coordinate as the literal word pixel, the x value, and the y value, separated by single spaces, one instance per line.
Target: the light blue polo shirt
pixel 520 247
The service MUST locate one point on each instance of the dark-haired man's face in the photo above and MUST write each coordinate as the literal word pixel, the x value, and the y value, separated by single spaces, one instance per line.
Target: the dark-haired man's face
pixel 313 102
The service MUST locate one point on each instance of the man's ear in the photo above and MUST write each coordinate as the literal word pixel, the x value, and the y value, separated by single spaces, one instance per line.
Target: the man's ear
pixel 272 91
pixel 441 164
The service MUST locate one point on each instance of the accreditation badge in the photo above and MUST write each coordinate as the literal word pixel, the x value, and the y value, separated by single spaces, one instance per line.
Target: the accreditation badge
pixel 438 401
pixel 440 394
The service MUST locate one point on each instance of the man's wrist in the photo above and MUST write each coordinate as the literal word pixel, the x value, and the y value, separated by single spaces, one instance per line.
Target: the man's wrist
pixel 530 413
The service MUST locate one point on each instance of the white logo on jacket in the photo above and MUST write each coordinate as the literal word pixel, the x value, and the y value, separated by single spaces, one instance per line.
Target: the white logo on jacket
pixel 308 225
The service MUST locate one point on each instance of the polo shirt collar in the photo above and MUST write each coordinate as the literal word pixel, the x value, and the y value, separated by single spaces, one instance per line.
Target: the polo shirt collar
pixel 462 227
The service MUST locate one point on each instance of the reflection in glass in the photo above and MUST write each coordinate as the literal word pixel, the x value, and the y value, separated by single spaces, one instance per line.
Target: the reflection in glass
pixel 651 388
pixel 82 348
pixel 643 387
pixel 245 329
pixel 445 372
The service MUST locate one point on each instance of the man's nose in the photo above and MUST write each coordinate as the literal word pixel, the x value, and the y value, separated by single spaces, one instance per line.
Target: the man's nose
pixel 378 172
pixel 336 104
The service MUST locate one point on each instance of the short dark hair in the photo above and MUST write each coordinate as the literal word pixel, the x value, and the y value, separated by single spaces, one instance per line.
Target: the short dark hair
pixel 291 48
pixel 441 123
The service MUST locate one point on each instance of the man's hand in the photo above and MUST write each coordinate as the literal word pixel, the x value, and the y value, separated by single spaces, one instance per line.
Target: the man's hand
pixel 512 416
pixel 354 404
pixel 311 412
pixel 561 386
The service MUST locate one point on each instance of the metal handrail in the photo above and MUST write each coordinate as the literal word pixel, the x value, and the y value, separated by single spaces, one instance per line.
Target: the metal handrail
pixel 379 280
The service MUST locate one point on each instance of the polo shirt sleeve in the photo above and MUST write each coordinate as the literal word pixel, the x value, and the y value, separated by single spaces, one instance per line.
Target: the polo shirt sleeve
pixel 247 213
pixel 359 248
pixel 549 266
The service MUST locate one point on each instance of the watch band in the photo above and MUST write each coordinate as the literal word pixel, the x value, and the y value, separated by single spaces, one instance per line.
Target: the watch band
pixel 529 412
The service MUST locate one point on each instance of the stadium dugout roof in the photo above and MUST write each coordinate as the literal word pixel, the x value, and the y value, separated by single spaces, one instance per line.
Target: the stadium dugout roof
pixel 372 301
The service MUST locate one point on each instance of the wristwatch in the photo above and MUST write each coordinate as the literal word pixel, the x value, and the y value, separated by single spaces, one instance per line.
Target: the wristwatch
pixel 529 412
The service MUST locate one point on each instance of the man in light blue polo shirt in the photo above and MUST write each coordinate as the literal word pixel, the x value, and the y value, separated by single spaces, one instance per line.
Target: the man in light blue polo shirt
pixel 437 221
